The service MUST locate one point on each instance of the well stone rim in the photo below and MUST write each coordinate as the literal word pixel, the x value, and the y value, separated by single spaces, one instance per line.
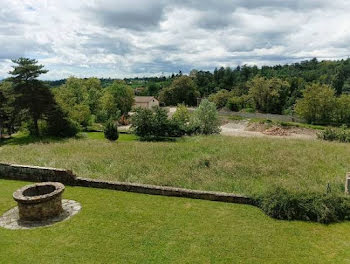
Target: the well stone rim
pixel 20 197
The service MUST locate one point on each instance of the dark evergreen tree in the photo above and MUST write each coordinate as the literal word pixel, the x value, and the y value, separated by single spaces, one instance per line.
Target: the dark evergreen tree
pixel 34 97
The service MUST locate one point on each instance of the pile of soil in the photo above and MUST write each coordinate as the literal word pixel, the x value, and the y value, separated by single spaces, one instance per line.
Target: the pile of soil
pixel 276 131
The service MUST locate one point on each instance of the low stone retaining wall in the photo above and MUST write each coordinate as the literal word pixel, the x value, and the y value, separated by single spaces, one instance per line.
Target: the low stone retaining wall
pixel 165 191
pixel 36 174
pixel 42 174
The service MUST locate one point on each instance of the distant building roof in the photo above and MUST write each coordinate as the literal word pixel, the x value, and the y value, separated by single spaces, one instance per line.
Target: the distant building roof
pixel 144 99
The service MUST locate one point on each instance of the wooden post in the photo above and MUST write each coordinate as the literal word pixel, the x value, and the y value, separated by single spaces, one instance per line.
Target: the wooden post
pixel 347 183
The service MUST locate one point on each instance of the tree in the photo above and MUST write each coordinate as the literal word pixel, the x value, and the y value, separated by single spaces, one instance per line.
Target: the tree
pixel 204 82
pixel 205 119
pixel 8 113
pixel 153 89
pixel 109 110
pixel 154 124
pixel 94 91
pixel 182 90
pixel 33 95
pixel 80 99
pixel 317 104
pixel 269 95
pixel 123 96
pixel 33 98
pixel 74 99
pixel 342 109
pixel 2 112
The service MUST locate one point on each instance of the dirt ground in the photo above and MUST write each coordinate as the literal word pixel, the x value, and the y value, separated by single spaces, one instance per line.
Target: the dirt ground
pixel 245 129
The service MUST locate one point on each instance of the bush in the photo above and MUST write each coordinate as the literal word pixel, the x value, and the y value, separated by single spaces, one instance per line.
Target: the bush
pixel 111 131
pixel 335 134
pixel 154 124
pixel 181 117
pixel 205 119
pixel 220 98
pixel 235 103
pixel 59 125
pixel 315 207
pixel 248 110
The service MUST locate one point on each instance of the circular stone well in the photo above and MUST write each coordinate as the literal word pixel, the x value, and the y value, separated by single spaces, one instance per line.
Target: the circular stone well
pixel 40 201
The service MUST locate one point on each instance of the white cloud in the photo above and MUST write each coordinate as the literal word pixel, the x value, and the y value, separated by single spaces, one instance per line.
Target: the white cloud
pixel 119 38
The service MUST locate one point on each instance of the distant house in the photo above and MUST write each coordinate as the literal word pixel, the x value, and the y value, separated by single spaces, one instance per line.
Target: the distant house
pixel 139 90
pixel 145 101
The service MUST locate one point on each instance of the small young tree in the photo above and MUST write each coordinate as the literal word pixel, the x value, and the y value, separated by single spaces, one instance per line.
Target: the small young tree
pixel 111 131
pixel 182 116
pixel 205 119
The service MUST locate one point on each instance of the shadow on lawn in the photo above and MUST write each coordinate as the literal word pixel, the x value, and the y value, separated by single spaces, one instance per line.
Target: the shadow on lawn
pixel 25 139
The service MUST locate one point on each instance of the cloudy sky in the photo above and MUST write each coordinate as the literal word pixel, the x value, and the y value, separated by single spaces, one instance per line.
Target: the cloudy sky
pixel 123 38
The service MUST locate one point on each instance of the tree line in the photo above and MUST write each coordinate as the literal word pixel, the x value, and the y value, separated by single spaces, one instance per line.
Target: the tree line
pixel 315 90
pixel 30 104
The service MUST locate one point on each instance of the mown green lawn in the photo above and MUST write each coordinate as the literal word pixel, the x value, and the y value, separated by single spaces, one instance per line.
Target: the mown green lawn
pixel 119 227
pixel 231 164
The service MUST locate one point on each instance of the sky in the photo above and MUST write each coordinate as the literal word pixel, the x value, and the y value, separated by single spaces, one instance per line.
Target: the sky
pixel 127 38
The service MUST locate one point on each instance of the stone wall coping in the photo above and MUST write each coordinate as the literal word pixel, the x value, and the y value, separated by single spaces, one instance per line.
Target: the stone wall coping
pixel 34 167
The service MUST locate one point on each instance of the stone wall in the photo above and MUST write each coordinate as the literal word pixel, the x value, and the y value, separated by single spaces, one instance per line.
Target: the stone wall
pixel 36 174
pixel 41 174
pixel 165 191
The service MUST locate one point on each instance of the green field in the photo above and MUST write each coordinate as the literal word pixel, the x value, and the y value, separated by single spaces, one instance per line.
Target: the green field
pixel 118 227
pixel 242 165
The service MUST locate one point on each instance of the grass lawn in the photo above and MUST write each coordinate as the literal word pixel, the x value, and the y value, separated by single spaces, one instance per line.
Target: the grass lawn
pixel 118 227
pixel 243 165
pixel 100 135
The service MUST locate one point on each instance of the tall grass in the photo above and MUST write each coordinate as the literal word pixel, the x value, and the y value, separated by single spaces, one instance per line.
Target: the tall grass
pixel 242 165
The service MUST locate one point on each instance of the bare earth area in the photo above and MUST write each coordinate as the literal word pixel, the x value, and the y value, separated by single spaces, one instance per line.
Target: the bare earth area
pixel 245 129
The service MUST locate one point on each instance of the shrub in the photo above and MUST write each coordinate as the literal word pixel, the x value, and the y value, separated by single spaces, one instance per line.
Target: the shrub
pixel 154 124
pixel 205 119
pixel 220 98
pixel 341 134
pixel 235 103
pixel 59 125
pixel 248 110
pixel 315 207
pixel 181 117
pixel 111 131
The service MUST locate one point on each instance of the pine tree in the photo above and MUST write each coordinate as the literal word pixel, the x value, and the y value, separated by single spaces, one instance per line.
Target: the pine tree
pixel 32 94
